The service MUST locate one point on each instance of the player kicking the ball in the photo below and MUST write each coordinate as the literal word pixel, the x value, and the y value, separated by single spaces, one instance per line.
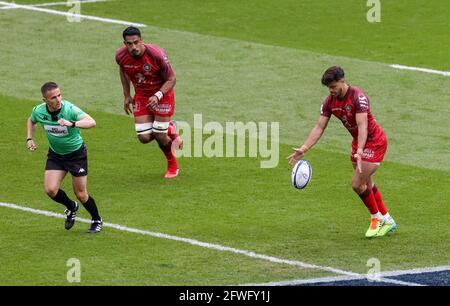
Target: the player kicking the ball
pixel 351 105
pixel 148 68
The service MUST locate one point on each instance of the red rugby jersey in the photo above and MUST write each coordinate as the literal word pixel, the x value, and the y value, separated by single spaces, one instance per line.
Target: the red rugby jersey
pixel 355 101
pixel 148 72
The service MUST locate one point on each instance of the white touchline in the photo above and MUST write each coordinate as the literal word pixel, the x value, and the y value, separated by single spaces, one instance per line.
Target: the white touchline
pixel 349 278
pixel 445 73
pixel 204 244
pixel 10 7
pixel 336 279
pixel 55 12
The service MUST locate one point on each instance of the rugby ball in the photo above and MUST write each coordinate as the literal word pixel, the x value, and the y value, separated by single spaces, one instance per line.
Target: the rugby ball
pixel 301 174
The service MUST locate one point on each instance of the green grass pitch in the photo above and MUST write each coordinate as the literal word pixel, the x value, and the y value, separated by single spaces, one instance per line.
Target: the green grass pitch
pixel 248 61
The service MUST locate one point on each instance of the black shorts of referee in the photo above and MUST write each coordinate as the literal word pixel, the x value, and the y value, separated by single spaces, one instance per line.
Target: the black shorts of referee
pixel 76 162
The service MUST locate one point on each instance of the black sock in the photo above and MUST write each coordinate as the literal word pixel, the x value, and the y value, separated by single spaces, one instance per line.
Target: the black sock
pixel 61 197
pixel 92 208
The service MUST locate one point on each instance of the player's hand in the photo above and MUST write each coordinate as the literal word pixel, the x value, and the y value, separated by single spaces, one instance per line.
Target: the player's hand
pixel 128 105
pixel 358 156
pixel 296 156
pixel 152 102
pixel 31 145
pixel 64 122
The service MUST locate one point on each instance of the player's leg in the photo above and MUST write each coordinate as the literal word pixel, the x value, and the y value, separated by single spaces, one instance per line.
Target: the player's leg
pixel 378 198
pixel 376 151
pixel 172 132
pixel 143 120
pixel 160 130
pixel 55 171
pixel 52 183
pixel 144 127
pixel 78 167
pixel 79 184
pixel 389 224
pixel 360 184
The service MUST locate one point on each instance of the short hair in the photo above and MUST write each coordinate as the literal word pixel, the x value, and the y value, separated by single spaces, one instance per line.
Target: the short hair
pixel 130 31
pixel 47 87
pixel 334 73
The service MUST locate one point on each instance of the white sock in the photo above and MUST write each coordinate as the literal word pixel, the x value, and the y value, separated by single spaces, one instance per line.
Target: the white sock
pixel 377 215
pixel 387 217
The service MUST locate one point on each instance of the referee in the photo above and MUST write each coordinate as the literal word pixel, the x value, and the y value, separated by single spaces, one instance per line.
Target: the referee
pixel 62 122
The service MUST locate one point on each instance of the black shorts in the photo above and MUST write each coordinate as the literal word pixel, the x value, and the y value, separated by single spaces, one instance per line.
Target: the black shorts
pixel 75 162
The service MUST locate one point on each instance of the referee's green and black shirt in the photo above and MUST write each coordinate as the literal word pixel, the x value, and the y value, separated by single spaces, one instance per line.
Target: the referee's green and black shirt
pixel 62 139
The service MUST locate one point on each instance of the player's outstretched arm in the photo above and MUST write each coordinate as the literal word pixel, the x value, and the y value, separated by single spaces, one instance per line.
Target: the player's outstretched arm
pixel 31 127
pixel 312 139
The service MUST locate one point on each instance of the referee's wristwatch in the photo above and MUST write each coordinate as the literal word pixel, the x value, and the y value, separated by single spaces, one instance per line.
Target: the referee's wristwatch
pixel 73 123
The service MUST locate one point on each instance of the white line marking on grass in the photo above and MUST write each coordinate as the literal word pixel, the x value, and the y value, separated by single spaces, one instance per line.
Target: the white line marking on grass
pixel 10 7
pixel 445 73
pixel 349 278
pixel 338 279
pixel 87 17
pixel 204 244
pixel 416 271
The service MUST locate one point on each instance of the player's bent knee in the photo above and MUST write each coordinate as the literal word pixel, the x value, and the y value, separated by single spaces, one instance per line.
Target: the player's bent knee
pixel 51 191
pixel 144 131
pixel 145 138
pixel 83 196
pixel 358 187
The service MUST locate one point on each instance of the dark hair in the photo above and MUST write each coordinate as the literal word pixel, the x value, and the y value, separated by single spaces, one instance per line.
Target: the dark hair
pixel 130 31
pixel 334 73
pixel 47 87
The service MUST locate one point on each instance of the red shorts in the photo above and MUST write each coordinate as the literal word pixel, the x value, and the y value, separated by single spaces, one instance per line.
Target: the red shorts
pixel 165 108
pixel 374 150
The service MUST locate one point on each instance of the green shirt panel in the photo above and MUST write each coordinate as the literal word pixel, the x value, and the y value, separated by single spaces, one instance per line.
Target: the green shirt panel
pixel 61 139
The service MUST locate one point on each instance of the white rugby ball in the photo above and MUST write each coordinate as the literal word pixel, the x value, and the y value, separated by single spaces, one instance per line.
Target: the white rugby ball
pixel 301 174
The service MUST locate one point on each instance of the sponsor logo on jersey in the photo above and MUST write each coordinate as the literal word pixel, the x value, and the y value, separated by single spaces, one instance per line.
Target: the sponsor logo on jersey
pixel 56 130
pixel 163 108
pixel 368 153
pixel 140 77
pixel 147 67
pixel 364 104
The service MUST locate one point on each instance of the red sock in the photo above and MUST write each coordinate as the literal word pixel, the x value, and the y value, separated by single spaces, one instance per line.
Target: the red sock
pixel 377 195
pixel 171 159
pixel 172 130
pixel 369 200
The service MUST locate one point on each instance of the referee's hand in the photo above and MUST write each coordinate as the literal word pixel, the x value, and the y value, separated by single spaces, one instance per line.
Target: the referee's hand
pixel 31 145
pixel 64 122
